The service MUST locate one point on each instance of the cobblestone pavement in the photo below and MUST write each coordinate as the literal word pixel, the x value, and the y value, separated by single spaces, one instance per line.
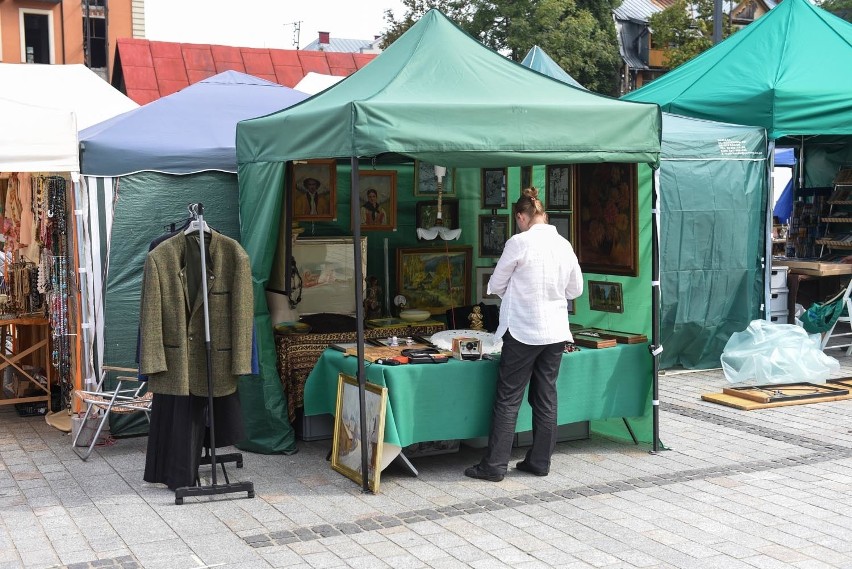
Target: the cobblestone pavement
pixel 768 488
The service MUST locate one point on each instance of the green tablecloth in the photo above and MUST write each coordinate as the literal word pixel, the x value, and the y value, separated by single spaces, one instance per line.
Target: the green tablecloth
pixel 433 402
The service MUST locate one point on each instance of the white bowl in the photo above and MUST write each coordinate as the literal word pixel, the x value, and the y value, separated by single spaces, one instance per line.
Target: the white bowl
pixel 412 315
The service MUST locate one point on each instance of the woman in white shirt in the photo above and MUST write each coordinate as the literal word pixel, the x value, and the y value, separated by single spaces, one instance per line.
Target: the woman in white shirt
pixel 536 274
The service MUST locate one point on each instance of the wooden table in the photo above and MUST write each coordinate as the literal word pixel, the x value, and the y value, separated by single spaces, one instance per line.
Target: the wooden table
pixel 26 341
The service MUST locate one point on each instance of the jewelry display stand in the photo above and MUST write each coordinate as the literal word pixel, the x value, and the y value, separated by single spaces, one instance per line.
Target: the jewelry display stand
pixel 210 458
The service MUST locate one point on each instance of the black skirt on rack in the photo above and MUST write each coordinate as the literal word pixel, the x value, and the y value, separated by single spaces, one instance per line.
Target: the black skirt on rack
pixel 178 434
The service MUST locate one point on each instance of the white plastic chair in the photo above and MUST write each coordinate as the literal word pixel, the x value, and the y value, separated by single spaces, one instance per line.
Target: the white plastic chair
pixel 125 397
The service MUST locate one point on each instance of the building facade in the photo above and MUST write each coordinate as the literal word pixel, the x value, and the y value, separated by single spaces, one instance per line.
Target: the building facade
pixel 67 31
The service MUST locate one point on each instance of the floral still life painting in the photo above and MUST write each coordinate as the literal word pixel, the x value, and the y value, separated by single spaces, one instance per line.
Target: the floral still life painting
pixel 607 214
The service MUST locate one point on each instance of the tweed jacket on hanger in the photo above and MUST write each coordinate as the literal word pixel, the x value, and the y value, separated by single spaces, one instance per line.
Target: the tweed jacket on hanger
pixel 173 353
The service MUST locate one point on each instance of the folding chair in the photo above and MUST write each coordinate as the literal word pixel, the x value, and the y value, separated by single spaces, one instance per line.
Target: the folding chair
pixel 845 318
pixel 125 397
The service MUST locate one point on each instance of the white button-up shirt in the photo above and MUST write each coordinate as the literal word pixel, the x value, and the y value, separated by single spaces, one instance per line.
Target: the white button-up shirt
pixel 536 274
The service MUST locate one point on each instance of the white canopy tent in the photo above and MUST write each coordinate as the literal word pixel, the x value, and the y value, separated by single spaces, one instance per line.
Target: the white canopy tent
pixel 42 109
pixel 37 139
pixel 73 87
pixel 313 83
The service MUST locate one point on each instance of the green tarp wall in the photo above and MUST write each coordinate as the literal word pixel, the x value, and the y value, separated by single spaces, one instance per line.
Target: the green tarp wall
pixel 713 195
pixel 150 196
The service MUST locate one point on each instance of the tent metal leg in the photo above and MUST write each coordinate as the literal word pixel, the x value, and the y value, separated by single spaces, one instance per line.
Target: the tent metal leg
pixel 630 430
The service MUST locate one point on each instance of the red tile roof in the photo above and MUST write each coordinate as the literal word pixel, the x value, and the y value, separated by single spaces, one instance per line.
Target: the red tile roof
pixel 147 70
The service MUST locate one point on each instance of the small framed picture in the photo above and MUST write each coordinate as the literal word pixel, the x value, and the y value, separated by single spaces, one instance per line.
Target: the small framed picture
pixel 560 187
pixel 493 234
pixel 483 275
pixel 493 188
pixel 346 445
pixel 377 191
pixel 426 182
pixel 427 213
pixel 562 223
pixel 526 177
pixel 605 296
pixel 314 186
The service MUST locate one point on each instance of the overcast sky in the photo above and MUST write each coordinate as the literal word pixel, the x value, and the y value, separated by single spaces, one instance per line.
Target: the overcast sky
pixel 264 23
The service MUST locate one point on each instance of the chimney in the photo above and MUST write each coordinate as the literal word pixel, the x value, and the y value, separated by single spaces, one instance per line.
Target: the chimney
pixel 325 37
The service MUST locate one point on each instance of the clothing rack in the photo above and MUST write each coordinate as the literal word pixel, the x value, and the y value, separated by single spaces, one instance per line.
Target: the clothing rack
pixel 197 224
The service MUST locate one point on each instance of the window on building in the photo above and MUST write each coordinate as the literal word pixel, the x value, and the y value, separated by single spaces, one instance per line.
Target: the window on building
pixel 95 30
pixel 36 37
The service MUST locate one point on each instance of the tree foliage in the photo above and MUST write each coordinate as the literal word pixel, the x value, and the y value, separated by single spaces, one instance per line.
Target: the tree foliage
pixel 578 34
pixel 840 8
pixel 685 30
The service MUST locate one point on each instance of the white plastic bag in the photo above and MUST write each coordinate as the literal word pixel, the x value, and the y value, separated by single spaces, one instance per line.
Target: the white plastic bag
pixel 776 353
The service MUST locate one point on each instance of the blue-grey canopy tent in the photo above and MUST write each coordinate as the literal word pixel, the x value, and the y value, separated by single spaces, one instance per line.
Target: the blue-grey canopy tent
pixel 193 130
pixel 142 168
pixel 537 60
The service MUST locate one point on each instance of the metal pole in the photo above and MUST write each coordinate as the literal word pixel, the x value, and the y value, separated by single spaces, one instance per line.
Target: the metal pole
pixel 767 233
pixel 88 37
pixel 717 21
pixel 655 347
pixel 359 318
pixel 210 415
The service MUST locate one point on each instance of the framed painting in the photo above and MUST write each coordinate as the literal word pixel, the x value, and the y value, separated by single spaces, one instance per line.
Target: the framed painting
pixel 427 212
pixel 314 190
pixel 377 192
pixel 483 275
pixel 346 445
pixel 326 274
pixel 560 185
pixel 426 182
pixel 562 223
pixel 606 232
pixel 493 234
pixel 526 177
pixel 434 278
pixel 606 297
pixel 493 188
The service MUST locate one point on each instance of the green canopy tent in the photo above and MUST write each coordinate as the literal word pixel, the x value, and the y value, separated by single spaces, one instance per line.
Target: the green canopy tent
pixel 787 72
pixel 437 95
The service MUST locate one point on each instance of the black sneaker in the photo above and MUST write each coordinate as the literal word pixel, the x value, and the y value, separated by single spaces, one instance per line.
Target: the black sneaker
pixel 481 474
pixel 524 466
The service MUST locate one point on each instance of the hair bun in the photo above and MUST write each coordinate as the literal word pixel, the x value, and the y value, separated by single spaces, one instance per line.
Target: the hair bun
pixel 530 192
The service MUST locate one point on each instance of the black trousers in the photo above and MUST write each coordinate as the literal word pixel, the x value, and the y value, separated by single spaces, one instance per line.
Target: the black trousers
pixel 179 432
pixel 522 364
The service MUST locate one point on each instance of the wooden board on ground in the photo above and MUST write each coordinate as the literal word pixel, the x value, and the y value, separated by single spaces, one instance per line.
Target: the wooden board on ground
pixel 778 395
pixel 747 405
pixel 773 393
